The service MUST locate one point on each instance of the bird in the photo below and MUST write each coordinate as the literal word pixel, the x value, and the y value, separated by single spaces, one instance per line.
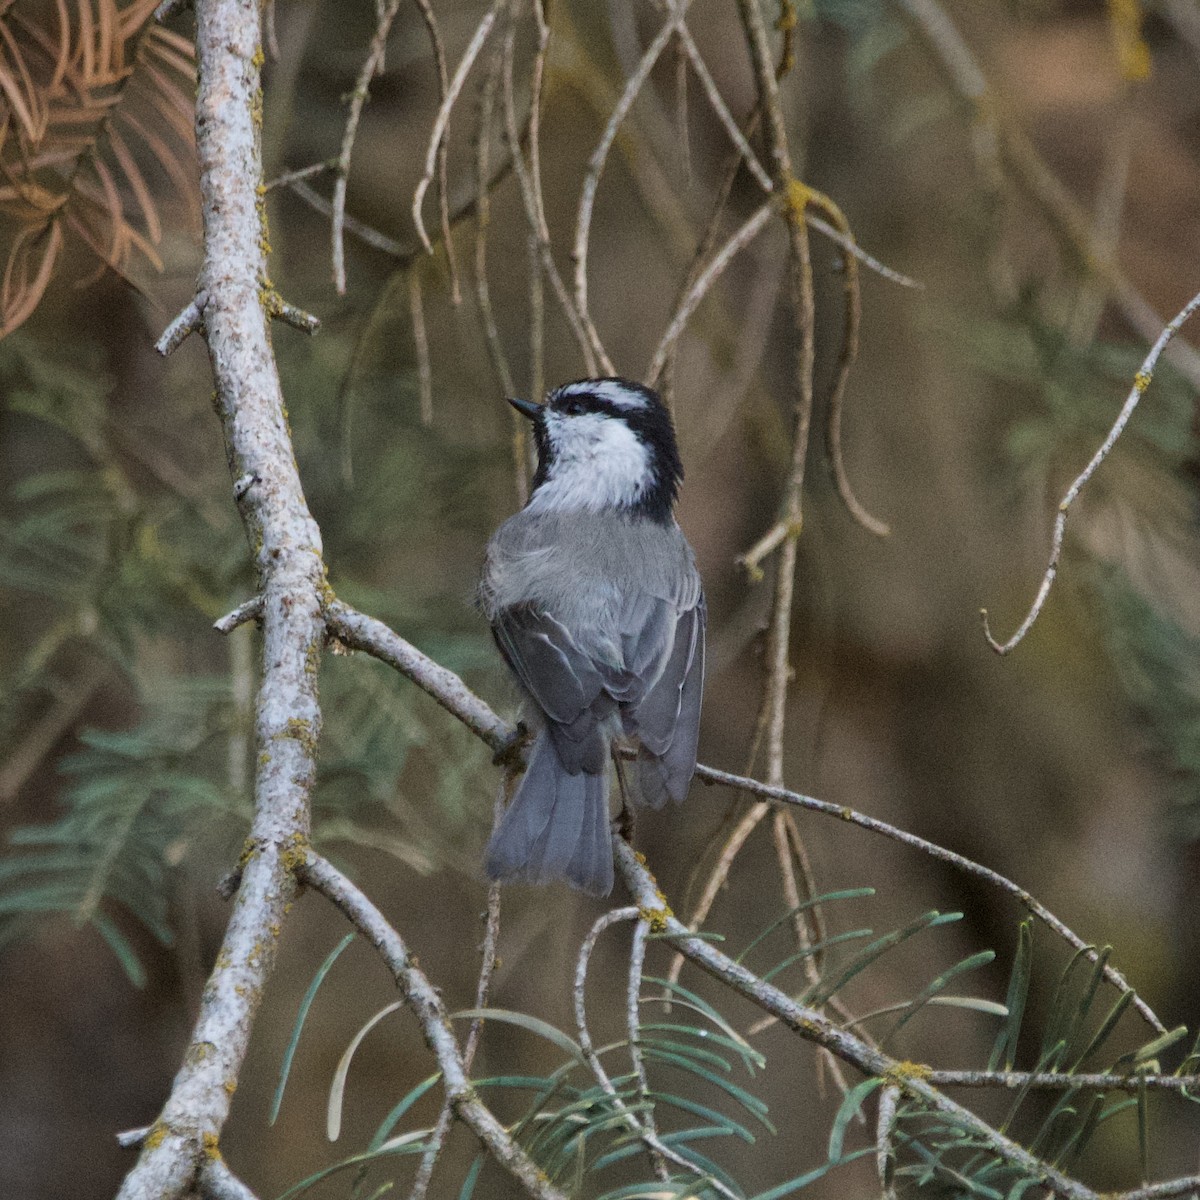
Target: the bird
pixel 597 607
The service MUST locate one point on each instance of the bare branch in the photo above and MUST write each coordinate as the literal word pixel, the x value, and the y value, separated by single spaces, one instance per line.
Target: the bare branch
pixel 183 326
pixel 372 636
pixel 958 861
pixel 535 213
pixel 660 1153
pixel 736 243
pixel 814 1026
pixel 291 576
pixel 849 352
pixel 483 988
pixel 248 610
pixel 1141 382
pixel 416 309
pixel 426 1005
pixel 885 1156
pixel 361 632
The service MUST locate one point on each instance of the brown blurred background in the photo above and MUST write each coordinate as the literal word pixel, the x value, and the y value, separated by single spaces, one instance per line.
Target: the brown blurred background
pixel 1070 766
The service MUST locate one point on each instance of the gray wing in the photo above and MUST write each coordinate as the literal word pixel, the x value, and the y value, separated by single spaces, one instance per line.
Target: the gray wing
pixel 576 692
pixel 652 672
pixel 666 718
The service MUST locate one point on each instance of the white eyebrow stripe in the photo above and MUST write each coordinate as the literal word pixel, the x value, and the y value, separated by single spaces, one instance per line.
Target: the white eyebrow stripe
pixel 616 394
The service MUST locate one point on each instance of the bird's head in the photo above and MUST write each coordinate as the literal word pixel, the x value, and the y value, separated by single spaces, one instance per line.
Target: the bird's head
pixel 604 445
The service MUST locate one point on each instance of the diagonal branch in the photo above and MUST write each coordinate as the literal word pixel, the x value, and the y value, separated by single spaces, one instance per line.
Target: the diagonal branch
pixel 425 1003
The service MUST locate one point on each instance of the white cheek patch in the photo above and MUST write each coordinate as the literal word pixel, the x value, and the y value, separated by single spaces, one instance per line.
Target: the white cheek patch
pixel 598 463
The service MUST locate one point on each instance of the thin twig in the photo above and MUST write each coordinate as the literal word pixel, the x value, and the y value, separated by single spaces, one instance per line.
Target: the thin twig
pixel 660 1153
pixel 849 352
pixel 350 224
pixel 442 120
pixel 375 638
pixel 439 54
pixel 360 632
pixel 596 163
pixel 1055 1081
pixel 248 610
pixel 535 215
pixel 280 309
pixel 814 1026
pixel 847 243
pixel 734 245
pixel 885 1155
pixel 958 861
pixel 416 308
pixel 290 177
pixel 183 326
pixel 483 989
pixel 483 218
pixel 633 1024
pixel 358 99
pixel 720 108
pixel 1141 382
pixel 426 1005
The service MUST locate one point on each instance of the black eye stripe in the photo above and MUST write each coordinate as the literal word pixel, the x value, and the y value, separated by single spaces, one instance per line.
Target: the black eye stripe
pixel 577 405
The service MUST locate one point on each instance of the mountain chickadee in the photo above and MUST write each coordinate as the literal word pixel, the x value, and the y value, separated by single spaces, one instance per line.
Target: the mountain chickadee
pixel 596 605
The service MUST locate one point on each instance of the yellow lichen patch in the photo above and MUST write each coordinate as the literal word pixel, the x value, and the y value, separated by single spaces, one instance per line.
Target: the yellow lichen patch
pixel 212 1149
pixel 258 59
pixel 230 1086
pixel 900 1073
pixel 312 657
pixel 1141 381
pixel 656 918
pixel 797 197
pixel 301 731
pixel 296 854
pixel 158 1131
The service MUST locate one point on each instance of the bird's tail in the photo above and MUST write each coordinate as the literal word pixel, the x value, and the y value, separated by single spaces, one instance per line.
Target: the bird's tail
pixel 556 826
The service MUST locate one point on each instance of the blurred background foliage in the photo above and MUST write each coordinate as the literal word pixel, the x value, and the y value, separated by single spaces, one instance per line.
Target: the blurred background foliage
pixel 126 755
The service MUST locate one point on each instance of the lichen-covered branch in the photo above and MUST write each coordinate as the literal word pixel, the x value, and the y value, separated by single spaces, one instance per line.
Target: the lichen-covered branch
pixel 291 580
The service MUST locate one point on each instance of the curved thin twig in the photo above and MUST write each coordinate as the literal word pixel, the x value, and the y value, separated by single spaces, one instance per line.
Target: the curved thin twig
pixel 849 352
pixel 1141 381
pixel 660 1153
pixel 483 989
pixel 442 120
pixel 358 99
pixel 595 168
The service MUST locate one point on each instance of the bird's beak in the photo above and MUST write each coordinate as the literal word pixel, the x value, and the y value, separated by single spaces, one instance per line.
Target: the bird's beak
pixel 527 408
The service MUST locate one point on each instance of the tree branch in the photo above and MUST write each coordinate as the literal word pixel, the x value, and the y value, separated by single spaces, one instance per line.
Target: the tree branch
pixel 426 1005
pixel 291 578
